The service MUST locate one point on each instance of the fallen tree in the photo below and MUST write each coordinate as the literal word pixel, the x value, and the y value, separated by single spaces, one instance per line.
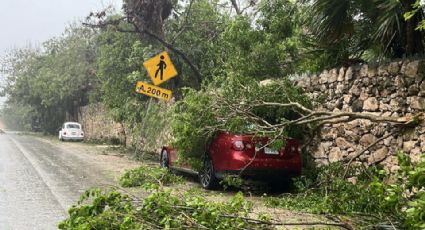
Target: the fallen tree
pixel 277 110
pixel 99 209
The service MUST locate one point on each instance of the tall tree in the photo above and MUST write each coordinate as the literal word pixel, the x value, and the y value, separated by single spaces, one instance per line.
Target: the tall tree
pixel 56 79
pixel 359 25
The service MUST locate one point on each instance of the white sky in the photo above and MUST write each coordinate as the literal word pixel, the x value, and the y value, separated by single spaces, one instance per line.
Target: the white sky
pixel 35 21
pixel 24 22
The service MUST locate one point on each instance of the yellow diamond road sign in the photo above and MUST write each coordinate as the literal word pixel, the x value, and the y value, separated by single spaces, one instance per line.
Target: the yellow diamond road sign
pixel 153 91
pixel 160 68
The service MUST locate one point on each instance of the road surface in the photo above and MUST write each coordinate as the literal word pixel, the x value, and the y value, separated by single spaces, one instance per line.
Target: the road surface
pixel 41 178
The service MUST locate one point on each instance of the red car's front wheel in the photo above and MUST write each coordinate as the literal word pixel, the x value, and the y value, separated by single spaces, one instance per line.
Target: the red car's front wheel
pixel 207 175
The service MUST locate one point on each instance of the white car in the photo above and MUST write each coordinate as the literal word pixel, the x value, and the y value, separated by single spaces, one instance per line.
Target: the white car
pixel 71 131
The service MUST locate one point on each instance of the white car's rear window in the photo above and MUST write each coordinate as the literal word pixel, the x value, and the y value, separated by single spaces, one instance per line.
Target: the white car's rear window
pixel 73 126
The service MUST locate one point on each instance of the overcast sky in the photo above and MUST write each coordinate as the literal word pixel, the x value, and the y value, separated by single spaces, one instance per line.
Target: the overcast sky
pixel 24 22
pixel 35 21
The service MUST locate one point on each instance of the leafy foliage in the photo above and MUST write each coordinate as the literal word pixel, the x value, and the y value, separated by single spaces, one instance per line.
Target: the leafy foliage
pixel 417 9
pixel 148 175
pixel 353 30
pixel 401 200
pixel 231 181
pixel 24 113
pixel 330 193
pixel 273 39
pixel 233 105
pixel 161 209
pixel 407 195
pixel 54 80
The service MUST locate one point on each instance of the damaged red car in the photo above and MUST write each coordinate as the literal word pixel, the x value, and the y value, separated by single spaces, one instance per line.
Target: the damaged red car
pixel 245 155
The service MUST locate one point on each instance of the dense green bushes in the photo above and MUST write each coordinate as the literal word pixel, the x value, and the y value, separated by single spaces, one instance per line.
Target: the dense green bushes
pixel 328 192
pixel 402 200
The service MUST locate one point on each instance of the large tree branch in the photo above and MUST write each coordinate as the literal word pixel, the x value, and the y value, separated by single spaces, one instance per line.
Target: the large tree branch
pixel 183 26
pixel 138 30
pixel 235 5
pixel 178 52
pixel 294 105
pixel 310 116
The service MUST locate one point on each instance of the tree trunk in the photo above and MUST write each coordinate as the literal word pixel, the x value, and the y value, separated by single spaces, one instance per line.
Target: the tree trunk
pixel 149 14
pixel 414 43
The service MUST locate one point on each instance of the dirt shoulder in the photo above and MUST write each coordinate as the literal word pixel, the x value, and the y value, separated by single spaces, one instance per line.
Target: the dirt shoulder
pixel 109 159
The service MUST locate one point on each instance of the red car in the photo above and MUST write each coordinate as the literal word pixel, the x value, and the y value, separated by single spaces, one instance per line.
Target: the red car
pixel 244 155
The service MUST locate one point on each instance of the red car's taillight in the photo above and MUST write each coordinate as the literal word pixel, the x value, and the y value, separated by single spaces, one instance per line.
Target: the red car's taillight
pixel 238 146
pixel 241 145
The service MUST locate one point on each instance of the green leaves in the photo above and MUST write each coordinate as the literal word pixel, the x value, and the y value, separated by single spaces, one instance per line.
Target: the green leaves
pixel 55 79
pixel 417 8
pixel 148 175
pixel 402 200
pixel 234 104
pixel 160 209
pixel 350 29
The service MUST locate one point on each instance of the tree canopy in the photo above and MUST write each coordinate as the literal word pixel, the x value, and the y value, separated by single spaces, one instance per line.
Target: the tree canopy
pixel 101 60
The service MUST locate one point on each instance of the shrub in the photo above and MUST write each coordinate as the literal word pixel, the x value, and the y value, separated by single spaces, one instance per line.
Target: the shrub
pixel 403 201
pixel 328 192
pixel 148 175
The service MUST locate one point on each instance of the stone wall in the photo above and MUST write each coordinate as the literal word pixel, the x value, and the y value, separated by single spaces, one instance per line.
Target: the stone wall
pixel 98 125
pixel 147 136
pixel 391 89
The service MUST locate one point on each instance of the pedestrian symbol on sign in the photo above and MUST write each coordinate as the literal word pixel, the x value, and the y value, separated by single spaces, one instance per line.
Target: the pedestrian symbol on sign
pixel 160 68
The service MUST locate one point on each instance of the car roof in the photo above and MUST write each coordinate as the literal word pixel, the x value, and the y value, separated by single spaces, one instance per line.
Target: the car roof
pixel 71 123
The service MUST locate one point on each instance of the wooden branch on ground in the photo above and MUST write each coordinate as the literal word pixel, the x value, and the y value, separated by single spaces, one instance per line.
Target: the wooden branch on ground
pixel 275 223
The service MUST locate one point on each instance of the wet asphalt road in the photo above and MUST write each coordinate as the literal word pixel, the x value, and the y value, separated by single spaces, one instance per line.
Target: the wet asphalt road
pixel 39 181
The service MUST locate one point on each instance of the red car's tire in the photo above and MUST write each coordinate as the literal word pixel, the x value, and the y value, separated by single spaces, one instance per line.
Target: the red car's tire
pixel 207 175
pixel 164 162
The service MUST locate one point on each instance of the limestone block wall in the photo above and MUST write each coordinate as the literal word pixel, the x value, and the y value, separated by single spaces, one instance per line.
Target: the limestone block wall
pixel 148 136
pixel 97 125
pixel 390 89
